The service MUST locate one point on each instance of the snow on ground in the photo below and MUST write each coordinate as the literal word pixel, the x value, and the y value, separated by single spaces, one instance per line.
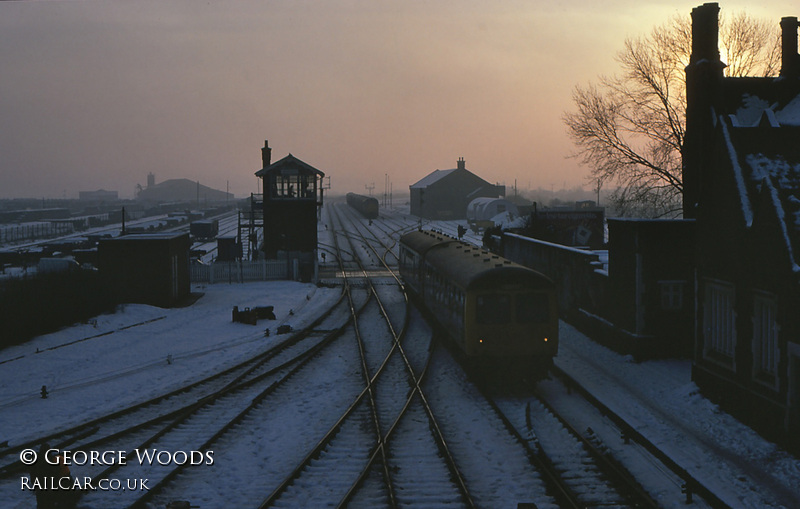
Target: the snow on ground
pixel 118 359
pixel 728 457
pixel 122 358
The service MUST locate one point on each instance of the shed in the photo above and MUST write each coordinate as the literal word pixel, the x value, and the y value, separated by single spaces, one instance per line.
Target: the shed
pixel 148 268
pixel 651 271
pixel 445 194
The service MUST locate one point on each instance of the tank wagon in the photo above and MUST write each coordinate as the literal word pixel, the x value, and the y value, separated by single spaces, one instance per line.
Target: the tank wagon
pixel 367 205
pixel 497 313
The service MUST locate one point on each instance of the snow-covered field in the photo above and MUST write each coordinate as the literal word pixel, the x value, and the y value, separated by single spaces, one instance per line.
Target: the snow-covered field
pixel 95 372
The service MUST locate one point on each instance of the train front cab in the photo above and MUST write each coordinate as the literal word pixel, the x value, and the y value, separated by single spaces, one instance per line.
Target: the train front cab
pixel 512 321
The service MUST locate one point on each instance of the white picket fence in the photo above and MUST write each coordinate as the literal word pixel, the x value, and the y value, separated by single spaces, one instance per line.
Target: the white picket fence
pixel 241 272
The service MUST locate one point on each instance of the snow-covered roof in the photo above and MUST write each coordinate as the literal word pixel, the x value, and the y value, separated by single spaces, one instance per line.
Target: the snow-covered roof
pixel 790 114
pixel 753 110
pixel 431 178
pixel 765 158
pixel 481 209
pixel 133 237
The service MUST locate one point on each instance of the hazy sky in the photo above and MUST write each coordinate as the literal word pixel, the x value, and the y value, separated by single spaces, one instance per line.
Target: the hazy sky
pixel 97 94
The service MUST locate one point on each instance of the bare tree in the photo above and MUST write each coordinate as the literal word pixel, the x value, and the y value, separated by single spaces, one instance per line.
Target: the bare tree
pixel 629 128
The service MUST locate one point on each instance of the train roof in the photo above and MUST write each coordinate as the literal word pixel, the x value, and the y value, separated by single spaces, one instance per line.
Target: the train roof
pixel 360 197
pixel 468 265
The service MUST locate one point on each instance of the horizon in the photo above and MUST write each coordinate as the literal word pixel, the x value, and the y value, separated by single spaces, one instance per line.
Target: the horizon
pixel 372 94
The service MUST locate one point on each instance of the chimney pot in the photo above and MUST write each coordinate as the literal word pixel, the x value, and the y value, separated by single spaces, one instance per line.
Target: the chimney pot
pixel 705 33
pixel 266 155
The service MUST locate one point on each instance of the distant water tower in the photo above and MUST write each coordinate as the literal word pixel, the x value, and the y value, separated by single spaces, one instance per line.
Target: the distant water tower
pixel 151 180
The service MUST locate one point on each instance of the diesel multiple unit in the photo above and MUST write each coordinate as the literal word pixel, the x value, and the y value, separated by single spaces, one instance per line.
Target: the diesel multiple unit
pixel 367 205
pixel 495 311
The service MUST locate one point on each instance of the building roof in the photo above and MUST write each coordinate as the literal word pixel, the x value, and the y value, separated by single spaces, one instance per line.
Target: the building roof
pixel 431 178
pixel 289 164
pixel 749 103
pixel 762 144
pixel 134 237
pixel 182 190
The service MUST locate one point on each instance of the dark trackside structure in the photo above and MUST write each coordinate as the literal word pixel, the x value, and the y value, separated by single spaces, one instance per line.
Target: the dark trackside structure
pixel 741 174
pixel 292 196
pixel 151 268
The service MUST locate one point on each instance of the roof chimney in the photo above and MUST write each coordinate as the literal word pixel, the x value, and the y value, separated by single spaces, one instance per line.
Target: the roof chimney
pixel 705 33
pixel 704 76
pixel 461 164
pixel 266 155
pixel 790 60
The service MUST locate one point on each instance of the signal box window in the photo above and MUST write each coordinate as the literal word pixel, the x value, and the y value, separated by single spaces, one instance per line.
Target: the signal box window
pixel 493 308
pixel 292 186
pixel 532 308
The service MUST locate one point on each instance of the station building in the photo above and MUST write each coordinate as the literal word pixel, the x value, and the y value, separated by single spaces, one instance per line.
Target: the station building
pixel 742 184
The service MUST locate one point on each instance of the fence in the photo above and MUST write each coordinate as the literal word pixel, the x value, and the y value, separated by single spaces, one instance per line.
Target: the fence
pixel 33 231
pixel 240 272
pixel 580 281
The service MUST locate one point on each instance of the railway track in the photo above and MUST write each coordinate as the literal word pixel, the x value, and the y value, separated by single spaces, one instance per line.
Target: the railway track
pixel 362 434
pixel 587 477
pixel 217 418
pixel 478 475
pixel 257 431
pixel 574 468
pixel 142 425
pixel 364 410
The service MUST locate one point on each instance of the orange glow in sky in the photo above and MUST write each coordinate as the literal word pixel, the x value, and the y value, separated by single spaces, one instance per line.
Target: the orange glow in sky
pixel 96 95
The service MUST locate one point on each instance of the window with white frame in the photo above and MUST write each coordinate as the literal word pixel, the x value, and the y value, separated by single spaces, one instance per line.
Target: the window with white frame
pixel 719 321
pixel 765 335
pixel 671 294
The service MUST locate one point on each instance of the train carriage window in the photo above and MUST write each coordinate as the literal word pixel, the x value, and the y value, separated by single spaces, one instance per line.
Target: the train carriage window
pixel 493 308
pixel 532 307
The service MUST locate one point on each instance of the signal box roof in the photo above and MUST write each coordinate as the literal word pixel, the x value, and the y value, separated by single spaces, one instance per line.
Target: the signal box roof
pixel 289 165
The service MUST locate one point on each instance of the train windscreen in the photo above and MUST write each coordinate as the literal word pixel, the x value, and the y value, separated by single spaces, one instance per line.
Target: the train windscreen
pixel 493 308
pixel 532 307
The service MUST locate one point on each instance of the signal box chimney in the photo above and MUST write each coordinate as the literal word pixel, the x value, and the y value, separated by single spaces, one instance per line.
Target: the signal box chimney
pixel 266 155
